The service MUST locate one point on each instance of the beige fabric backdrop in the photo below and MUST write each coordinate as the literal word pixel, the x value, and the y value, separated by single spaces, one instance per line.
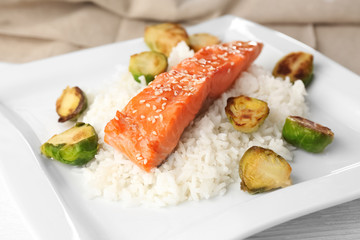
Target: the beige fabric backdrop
pixel 35 29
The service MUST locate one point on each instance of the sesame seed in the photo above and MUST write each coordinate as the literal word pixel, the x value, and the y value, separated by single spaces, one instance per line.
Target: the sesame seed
pixel 164 98
pixel 229 70
pixel 138 155
pixel 145 161
pixel 134 111
pixel 147 105
pixel 202 61
pixel 154 133
pixel 153 121
pixel 161 117
pixel 154 107
pixel 142 101
pixel 139 158
pixel 142 116
pixel 232 63
pixel 158 110
pixel 116 118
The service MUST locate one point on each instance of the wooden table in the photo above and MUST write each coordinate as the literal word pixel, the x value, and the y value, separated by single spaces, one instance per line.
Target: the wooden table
pixel 339 222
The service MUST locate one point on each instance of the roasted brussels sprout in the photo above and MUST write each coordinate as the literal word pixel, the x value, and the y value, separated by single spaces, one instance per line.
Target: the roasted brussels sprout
pixel 71 104
pixel 246 114
pixel 163 37
pixel 76 146
pixel 295 65
pixel 306 134
pixel 261 170
pixel 200 40
pixel 147 64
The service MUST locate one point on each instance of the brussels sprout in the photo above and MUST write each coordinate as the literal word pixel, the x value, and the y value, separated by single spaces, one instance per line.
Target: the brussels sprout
pixel 261 170
pixel 147 64
pixel 306 134
pixel 200 40
pixel 295 65
pixel 71 104
pixel 246 114
pixel 163 37
pixel 76 146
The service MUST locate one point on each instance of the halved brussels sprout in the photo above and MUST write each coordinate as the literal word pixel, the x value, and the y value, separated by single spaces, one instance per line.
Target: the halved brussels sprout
pixel 306 134
pixel 295 65
pixel 76 146
pixel 71 104
pixel 261 170
pixel 163 37
pixel 147 64
pixel 246 114
pixel 200 40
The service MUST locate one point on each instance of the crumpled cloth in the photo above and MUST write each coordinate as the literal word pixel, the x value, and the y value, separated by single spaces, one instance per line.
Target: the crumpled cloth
pixel 35 29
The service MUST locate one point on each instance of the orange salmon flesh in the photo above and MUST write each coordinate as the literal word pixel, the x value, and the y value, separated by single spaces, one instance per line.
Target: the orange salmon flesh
pixel 148 129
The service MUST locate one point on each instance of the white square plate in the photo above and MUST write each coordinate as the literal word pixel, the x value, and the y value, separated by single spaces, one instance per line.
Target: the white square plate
pixel 51 195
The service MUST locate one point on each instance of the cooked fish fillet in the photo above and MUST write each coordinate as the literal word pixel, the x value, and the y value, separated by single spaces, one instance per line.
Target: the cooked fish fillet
pixel 149 127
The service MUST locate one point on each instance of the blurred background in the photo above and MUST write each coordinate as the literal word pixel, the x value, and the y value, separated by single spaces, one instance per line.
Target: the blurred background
pixel 36 29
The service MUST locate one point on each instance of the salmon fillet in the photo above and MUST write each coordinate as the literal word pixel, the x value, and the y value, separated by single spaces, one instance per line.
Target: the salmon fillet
pixel 149 127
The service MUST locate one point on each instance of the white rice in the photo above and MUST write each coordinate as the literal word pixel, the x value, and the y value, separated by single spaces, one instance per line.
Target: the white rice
pixel 178 53
pixel 206 159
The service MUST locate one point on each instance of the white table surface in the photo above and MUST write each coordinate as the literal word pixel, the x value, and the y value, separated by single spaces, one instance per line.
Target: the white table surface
pixel 339 222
